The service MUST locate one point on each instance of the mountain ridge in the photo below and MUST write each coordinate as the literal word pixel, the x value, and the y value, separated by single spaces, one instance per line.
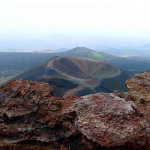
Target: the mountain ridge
pixel 12 64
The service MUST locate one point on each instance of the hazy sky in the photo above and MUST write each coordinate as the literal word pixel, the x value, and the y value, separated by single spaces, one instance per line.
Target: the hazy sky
pixel 64 20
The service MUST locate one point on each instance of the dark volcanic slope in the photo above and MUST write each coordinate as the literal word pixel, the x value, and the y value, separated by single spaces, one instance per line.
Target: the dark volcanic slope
pixel 84 68
pixel 77 76
pixel 12 64
pixel 66 65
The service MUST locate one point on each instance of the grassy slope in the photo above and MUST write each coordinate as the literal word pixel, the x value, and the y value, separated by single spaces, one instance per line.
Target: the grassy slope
pixel 6 79
pixel 86 53
pixel 6 75
pixel 127 64
pixel 12 64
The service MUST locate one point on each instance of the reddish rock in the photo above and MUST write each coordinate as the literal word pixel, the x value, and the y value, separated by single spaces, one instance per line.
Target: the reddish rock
pixel 139 92
pixel 32 118
pixel 139 88
pixel 109 120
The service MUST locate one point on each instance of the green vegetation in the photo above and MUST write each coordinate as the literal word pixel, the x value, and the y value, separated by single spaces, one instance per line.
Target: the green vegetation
pixel 5 79
pixel 6 75
pixel 99 56
pixel 87 53
pixel 13 63
pixel 95 55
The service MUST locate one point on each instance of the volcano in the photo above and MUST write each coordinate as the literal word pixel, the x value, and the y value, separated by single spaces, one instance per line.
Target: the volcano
pixel 76 76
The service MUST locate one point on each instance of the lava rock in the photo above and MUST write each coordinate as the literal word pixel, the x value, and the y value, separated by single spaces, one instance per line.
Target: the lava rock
pixel 32 118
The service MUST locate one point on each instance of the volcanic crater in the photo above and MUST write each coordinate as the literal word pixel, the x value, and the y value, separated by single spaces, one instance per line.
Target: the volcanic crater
pixel 74 76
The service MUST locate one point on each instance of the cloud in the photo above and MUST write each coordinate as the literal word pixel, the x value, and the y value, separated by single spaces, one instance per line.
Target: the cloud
pixel 79 14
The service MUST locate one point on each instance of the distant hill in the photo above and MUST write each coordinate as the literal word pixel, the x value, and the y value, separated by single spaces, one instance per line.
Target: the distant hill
pixel 142 51
pixel 131 64
pixel 14 63
pixel 87 53
pixel 122 52
pixel 61 50
pixel 45 51
pixel 77 76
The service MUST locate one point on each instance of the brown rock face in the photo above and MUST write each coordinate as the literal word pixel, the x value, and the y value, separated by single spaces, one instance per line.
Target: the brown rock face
pixel 139 88
pixel 109 120
pixel 139 92
pixel 32 118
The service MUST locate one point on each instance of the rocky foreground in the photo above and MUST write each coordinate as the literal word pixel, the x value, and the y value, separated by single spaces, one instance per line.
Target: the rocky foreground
pixel 32 118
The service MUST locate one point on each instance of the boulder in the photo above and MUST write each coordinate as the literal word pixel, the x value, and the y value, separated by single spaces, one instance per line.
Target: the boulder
pixel 32 118
pixel 139 88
